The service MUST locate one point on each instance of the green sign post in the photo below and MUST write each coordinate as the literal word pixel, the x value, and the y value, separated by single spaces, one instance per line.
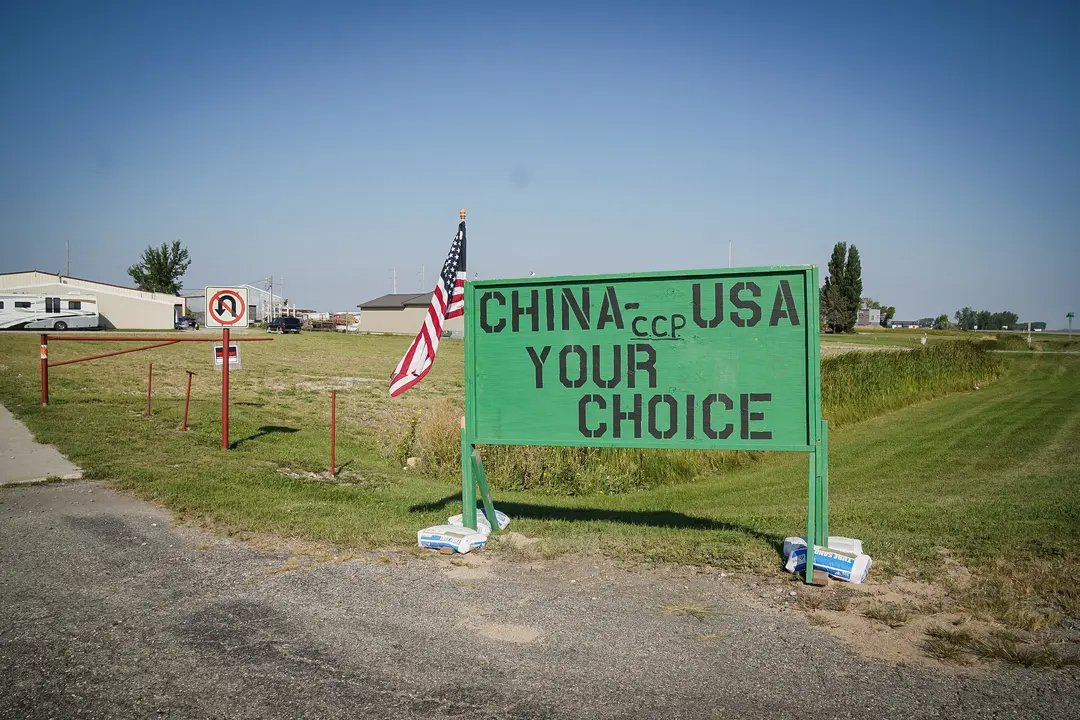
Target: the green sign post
pixel 706 360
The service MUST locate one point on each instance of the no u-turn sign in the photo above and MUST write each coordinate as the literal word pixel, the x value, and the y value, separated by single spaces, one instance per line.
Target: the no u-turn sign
pixel 226 307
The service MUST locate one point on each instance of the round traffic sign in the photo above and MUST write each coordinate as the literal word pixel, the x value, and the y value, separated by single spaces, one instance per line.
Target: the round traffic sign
pixel 227 307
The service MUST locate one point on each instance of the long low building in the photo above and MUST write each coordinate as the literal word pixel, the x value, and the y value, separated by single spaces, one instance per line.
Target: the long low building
pixel 402 314
pixel 118 306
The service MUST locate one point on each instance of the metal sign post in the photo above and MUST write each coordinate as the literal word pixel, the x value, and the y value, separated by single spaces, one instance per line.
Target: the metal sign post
pixel 706 360
pixel 225 394
pixel 226 308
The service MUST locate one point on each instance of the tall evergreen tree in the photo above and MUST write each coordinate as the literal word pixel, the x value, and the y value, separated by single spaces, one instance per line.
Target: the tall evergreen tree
pixel 841 294
pixel 852 288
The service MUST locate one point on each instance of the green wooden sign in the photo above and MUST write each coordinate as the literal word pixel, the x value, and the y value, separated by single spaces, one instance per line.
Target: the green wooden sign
pixel 708 359
pixel 720 360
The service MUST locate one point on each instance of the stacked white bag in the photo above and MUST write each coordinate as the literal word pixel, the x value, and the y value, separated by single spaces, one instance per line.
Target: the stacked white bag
pixel 456 538
pixel 483 525
pixel 843 559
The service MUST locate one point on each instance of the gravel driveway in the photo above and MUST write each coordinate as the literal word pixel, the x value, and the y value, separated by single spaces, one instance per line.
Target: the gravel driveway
pixel 109 611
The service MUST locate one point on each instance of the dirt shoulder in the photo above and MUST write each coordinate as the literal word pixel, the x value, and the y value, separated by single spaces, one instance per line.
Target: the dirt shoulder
pixel 109 610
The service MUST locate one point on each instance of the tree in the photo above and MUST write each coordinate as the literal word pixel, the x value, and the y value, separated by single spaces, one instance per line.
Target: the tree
pixel 887 314
pixel 942 322
pixel 161 268
pixel 969 319
pixel 842 291
pixel 965 318
pixel 925 322
pixel 851 288
pixel 832 304
pixel 1006 319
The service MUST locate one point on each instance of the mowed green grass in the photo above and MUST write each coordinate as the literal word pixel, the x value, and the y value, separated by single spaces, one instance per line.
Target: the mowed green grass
pixel 983 476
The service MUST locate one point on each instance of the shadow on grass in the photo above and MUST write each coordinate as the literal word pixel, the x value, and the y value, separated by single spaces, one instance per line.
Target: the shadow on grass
pixel 652 518
pixel 263 432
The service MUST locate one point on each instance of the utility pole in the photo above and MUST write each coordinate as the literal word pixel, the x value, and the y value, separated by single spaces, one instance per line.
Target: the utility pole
pixel 393 280
pixel 67 261
pixel 729 253
pixel 421 278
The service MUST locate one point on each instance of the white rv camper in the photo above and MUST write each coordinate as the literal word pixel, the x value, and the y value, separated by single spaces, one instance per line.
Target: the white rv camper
pixel 20 311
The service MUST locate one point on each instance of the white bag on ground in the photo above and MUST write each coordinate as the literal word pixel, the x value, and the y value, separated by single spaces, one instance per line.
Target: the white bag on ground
pixel 844 544
pixel 840 565
pixel 482 524
pixel 459 539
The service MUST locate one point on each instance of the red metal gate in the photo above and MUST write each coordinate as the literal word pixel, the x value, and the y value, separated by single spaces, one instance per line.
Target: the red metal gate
pixel 157 343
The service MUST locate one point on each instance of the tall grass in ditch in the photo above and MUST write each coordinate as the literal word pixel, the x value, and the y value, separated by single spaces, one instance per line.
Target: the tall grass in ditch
pixel 1005 342
pixel 560 470
pixel 855 386
pixel 859 385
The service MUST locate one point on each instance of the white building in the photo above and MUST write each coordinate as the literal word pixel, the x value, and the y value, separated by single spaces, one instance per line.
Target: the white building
pixel 118 306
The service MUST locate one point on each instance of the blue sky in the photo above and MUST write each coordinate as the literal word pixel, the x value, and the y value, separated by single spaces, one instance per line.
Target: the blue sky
pixel 326 143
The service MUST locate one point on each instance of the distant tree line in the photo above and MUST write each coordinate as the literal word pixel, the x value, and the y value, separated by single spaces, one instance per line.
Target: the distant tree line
pixel 841 300
pixel 970 319
pixel 941 322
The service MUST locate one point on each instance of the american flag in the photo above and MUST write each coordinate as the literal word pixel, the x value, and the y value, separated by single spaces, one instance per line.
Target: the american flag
pixel 447 301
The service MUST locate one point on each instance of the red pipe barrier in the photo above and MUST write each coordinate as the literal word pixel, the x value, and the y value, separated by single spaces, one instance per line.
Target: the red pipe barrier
pixel 142 338
pixel 159 342
pixel 149 384
pixel 109 354
pixel 333 432
pixel 187 400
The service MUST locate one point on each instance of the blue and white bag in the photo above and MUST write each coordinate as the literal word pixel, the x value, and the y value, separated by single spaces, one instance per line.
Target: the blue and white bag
pixel 840 565
pixel 836 542
pixel 459 539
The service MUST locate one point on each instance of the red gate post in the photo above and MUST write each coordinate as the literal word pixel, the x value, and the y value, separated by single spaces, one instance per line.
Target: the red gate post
pixel 44 369
pixel 187 400
pixel 225 389
pixel 333 432
pixel 149 384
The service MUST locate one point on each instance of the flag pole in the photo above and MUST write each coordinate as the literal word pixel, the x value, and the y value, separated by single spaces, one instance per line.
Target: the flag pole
pixel 468 479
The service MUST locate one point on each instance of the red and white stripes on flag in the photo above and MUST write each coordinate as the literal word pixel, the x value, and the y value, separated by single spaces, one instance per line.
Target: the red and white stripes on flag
pixel 447 301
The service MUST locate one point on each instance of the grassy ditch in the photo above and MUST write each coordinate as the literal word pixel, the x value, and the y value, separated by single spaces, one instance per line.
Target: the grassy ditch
pixel 859 385
pixel 855 386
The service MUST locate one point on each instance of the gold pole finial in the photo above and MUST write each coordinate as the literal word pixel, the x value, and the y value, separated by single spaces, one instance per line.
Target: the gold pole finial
pixel 462 214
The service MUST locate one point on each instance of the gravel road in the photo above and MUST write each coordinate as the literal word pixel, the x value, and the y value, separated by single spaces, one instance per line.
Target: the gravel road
pixel 107 610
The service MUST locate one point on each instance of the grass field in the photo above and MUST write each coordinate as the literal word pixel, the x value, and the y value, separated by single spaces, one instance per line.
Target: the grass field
pixel 986 478
pixel 907 338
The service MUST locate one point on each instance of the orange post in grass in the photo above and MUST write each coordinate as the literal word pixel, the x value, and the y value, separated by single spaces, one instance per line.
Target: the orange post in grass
pixel 333 433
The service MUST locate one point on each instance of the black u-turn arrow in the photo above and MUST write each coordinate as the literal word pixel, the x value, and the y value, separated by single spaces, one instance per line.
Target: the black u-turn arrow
pixel 221 305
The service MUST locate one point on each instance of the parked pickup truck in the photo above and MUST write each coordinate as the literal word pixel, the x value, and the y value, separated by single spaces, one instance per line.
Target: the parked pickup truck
pixel 284 325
